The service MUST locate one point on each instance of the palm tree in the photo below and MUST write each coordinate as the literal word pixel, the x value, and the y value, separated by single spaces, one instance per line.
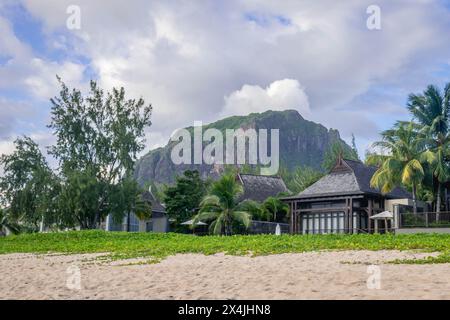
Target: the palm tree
pixel 431 109
pixel 142 209
pixel 221 206
pixel 403 164
pixel 274 207
pixel 6 225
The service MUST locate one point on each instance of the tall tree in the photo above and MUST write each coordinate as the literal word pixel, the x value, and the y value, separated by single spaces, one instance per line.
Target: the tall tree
pixel 222 208
pixel 431 109
pixel 183 199
pixel 98 138
pixel 403 163
pixel 27 185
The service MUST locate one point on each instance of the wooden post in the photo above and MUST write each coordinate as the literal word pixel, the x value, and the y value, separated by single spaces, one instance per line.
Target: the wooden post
pixel 446 198
pixel 351 227
pixel 346 229
pixel 369 214
pixel 292 217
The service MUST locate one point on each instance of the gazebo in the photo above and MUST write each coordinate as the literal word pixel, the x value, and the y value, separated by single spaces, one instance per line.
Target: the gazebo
pixel 385 215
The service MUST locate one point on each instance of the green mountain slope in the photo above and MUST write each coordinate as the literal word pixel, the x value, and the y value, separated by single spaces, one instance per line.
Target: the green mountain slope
pixel 302 142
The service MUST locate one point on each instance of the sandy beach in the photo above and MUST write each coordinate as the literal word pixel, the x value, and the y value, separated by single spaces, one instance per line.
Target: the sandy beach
pixel 313 275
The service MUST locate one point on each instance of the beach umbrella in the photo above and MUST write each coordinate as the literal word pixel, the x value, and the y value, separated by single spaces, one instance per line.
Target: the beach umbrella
pixel 383 215
pixel 191 222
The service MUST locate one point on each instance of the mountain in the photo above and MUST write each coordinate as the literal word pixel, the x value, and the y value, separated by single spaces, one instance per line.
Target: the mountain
pixel 302 142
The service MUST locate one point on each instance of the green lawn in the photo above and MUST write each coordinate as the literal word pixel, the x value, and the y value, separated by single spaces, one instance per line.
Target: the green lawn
pixel 157 246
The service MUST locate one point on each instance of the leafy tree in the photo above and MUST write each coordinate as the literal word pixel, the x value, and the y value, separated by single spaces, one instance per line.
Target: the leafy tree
pixel 404 162
pixel 183 199
pixel 98 138
pixel 337 149
pixel 28 186
pixel 275 209
pixel 222 208
pixel 431 109
pixel 82 200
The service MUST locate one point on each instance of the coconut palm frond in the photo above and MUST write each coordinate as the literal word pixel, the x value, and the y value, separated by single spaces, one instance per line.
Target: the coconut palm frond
pixel 217 225
pixel 242 216
pixel 413 170
pixel 210 202
pixel 222 207
pixel 142 208
pixel 375 159
pixel 7 224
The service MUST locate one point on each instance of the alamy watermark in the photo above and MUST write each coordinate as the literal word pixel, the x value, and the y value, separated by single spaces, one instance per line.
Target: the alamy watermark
pixel 239 147
pixel 374 279
pixel 73 22
pixel 73 281
pixel 373 22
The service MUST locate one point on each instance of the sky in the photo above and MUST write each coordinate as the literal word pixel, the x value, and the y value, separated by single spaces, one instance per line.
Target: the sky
pixel 204 60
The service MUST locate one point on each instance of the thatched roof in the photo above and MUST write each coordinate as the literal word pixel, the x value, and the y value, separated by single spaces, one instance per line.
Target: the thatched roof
pixel 348 177
pixel 259 187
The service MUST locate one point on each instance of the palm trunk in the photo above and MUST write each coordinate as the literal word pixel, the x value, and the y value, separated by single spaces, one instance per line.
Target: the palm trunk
pixel 446 199
pixel 414 198
pixel 438 201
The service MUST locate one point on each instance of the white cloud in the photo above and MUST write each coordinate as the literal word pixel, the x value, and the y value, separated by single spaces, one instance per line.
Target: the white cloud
pixel 279 95
pixel 43 83
pixel 35 76
pixel 185 57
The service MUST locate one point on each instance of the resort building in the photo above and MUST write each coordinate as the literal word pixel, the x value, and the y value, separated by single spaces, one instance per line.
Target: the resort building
pixel 159 221
pixel 343 202
pixel 259 188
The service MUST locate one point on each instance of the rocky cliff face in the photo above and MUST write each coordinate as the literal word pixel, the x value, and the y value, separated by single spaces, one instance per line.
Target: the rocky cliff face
pixel 302 142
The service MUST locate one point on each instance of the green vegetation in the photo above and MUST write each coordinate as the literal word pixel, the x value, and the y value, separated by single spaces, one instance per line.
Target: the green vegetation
pixel 338 149
pixel 222 207
pixel 98 139
pixel 183 199
pixel 416 154
pixel 6 225
pixel 121 245
pixel 275 210
pixel 403 165
pixel 301 178
pixel 27 186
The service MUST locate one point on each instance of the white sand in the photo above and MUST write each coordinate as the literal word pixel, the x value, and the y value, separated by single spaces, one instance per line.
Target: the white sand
pixel 314 275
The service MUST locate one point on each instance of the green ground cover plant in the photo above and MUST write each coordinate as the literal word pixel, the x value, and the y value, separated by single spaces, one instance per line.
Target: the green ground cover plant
pixel 123 245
